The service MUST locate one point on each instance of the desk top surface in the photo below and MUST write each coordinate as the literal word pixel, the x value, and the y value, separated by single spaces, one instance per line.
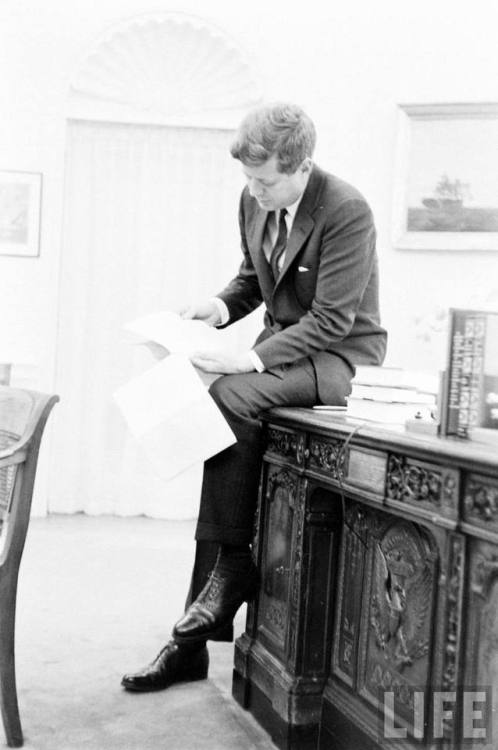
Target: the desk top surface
pixel 394 437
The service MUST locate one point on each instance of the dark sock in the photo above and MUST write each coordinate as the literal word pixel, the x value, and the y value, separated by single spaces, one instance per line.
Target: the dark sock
pixel 234 558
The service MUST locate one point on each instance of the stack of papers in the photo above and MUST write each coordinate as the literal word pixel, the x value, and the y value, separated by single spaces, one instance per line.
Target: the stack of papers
pixel 168 408
pixel 177 336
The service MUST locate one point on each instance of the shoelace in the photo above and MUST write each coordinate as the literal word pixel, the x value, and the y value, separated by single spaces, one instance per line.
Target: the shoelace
pixel 214 588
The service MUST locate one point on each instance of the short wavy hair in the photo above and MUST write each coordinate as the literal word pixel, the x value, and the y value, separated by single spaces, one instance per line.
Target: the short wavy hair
pixel 280 129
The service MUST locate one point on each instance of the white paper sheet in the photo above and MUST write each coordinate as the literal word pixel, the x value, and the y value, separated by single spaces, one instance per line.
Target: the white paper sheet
pixel 178 336
pixel 166 332
pixel 172 416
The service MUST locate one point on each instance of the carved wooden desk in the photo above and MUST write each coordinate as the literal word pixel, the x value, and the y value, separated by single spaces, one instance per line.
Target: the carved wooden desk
pixel 379 559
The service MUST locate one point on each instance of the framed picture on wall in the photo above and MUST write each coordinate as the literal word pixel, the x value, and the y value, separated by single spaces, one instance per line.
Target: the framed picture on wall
pixel 20 211
pixel 446 182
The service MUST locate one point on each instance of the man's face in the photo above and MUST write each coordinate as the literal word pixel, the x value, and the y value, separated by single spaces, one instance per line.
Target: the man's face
pixel 273 189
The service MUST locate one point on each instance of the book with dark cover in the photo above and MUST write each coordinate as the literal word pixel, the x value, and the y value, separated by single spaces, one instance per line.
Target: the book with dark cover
pixel 472 377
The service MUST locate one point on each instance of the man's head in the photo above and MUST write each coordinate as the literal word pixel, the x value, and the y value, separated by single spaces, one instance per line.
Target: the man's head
pixel 275 144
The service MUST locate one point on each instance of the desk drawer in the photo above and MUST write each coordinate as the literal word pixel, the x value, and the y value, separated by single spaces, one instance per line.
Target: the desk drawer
pixel 326 456
pixel 286 444
pixel 421 485
pixel 481 502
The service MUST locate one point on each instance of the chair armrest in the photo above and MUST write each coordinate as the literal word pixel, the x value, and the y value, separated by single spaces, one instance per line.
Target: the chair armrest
pixel 13 455
pixel 17 452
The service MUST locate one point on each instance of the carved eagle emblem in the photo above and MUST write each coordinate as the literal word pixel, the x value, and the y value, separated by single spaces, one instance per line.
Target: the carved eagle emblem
pixel 402 593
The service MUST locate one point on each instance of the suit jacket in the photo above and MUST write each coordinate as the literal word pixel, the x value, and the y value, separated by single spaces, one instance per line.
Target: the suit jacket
pixel 325 303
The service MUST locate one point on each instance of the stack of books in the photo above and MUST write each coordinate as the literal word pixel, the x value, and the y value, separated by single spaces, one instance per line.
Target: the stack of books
pixel 391 395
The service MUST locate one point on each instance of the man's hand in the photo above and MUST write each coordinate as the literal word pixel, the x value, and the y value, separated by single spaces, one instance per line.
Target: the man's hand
pixel 226 364
pixel 206 311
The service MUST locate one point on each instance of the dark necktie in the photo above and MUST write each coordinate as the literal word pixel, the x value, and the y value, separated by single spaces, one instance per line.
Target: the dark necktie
pixel 280 244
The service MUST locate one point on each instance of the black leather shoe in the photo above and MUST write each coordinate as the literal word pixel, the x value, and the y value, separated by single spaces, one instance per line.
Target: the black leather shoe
pixel 216 605
pixel 173 664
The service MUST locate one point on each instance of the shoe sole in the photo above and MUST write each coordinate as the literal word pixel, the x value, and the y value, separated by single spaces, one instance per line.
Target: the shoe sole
pixel 155 689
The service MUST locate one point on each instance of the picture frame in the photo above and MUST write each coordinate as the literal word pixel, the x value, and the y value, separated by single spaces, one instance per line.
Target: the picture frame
pixel 20 213
pixel 445 186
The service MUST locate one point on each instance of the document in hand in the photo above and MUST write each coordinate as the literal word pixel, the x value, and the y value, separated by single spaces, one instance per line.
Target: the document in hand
pixel 178 336
pixel 172 416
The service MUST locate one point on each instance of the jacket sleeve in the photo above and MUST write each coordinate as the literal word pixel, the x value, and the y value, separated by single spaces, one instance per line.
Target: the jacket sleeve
pixel 347 255
pixel 243 294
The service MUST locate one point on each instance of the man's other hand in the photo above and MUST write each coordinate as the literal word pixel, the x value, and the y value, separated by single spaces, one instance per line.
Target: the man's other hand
pixel 226 364
pixel 206 311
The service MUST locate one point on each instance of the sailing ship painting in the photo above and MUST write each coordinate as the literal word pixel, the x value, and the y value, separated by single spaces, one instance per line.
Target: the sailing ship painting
pixel 452 175
pixel 446 210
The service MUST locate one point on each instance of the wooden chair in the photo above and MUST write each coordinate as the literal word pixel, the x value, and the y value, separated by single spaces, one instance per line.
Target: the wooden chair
pixel 23 415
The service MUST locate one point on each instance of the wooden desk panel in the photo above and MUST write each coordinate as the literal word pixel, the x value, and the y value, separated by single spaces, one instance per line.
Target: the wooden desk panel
pixel 379 560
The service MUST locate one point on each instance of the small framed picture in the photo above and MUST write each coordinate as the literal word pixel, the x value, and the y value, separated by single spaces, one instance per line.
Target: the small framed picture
pixel 20 212
pixel 446 183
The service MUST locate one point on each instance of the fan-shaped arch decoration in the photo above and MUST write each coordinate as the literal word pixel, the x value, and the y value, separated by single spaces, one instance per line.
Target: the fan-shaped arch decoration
pixel 167 68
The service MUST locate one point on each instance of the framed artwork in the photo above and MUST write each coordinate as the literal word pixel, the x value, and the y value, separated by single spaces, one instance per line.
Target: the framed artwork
pixel 446 182
pixel 20 206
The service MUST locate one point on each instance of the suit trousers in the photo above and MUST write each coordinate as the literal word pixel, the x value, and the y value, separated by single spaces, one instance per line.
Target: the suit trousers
pixel 231 478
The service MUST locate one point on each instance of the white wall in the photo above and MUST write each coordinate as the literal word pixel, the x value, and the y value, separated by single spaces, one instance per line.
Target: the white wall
pixel 347 63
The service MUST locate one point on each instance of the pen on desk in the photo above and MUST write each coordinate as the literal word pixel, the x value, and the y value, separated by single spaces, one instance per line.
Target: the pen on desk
pixel 326 407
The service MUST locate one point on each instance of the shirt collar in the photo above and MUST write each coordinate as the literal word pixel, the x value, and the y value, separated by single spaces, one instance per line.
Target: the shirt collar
pixel 292 209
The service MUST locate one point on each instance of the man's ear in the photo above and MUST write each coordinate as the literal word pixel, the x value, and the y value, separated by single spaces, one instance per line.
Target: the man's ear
pixel 306 165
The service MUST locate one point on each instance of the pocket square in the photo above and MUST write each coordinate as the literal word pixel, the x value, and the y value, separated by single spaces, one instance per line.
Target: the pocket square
pixel 302 269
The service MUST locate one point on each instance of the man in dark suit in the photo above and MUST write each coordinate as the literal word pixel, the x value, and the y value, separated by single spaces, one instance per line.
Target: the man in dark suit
pixel 308 245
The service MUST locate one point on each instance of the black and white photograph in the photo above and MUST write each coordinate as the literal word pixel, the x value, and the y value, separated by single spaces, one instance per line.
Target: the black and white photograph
pixel 20 206
pixel 248 375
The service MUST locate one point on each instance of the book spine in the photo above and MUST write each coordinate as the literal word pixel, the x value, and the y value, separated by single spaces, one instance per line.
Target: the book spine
pixel 442 401
pixel 455 364
pixel 476 406
pixel 467 337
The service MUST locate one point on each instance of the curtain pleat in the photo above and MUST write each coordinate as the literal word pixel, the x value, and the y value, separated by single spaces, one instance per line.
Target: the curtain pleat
pixel 150 224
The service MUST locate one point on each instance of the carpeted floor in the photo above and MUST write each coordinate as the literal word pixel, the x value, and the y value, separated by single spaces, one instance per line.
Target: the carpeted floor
pixel 97 597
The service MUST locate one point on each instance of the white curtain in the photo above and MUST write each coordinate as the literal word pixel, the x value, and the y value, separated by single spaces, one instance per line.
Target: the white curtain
pixel 150 223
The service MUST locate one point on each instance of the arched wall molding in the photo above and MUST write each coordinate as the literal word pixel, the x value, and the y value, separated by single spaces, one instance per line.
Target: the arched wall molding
pixel 166 69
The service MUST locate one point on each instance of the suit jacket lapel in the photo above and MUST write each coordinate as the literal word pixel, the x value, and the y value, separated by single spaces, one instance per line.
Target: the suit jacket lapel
pixel 301 229
pixel 303 223
pixel 255 236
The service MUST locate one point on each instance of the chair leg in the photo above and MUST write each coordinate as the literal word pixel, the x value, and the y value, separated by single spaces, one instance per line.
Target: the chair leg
pixel 8 691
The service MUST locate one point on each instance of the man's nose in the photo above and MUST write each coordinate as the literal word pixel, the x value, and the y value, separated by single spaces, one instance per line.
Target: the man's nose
pixel 255 190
